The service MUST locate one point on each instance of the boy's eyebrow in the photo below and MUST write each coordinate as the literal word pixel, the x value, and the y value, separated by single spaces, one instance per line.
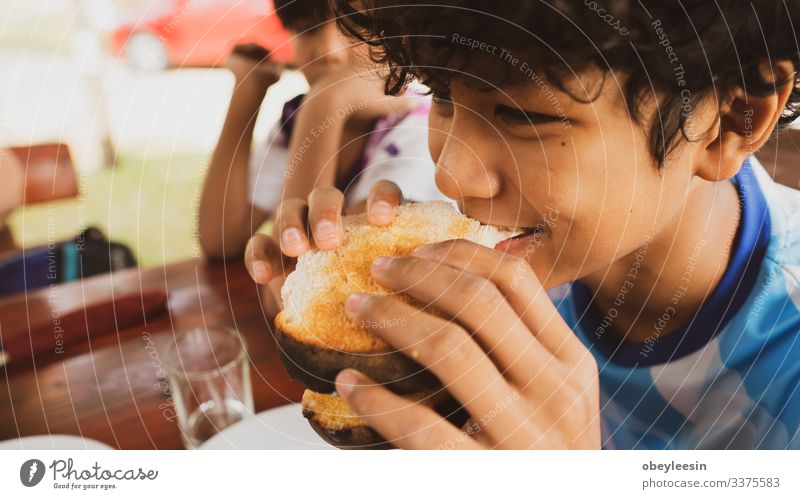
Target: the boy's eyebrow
pixel 484 87
pixel 529 112
pixel 525 98
pixel 525 95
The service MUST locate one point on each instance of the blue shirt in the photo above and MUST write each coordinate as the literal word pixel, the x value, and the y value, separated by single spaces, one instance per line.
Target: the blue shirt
pixel 730 376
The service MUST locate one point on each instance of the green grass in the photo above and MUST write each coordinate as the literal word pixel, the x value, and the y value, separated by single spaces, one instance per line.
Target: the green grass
pixel 150 204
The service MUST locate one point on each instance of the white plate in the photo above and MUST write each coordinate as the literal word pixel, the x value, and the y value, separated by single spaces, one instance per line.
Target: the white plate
pixel 53 442
pixel 281 428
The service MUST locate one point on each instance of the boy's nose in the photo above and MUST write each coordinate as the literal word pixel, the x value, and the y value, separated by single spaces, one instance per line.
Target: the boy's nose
pixel 464 172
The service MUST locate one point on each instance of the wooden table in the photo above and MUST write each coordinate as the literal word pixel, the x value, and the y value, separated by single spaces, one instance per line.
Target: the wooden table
pixel 108 387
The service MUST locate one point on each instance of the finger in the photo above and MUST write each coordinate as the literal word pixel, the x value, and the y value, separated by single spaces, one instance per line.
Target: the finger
pixel 251 50
pixel 406 424
pixel 271 302
pixel 290 226
pixel 516 280
pixel 272 68
pixel 325 217
pixel 447 351
pixel 262 258
pixel 383 198
pixel 476 304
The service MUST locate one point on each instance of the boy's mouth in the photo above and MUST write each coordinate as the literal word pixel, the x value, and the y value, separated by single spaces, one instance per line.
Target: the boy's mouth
pixel 526 240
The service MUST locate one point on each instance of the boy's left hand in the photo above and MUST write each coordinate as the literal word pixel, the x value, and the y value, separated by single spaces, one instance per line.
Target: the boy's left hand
pixel 505 355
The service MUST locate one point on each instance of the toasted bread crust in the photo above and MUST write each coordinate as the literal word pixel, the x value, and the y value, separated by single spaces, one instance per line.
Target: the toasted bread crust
pixel 316 367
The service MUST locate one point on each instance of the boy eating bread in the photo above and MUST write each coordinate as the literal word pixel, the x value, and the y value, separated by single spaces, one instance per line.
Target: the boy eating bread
pixel 621 146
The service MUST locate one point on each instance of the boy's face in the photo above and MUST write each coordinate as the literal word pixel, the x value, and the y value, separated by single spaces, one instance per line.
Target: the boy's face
pixel 319 49
pixel 585 176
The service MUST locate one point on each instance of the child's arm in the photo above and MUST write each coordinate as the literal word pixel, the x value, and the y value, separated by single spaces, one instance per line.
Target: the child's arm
pixel 318 134
pixel 227 219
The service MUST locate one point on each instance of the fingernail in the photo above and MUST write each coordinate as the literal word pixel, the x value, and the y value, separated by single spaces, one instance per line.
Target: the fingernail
pixel 424 250
pixel 290 237
pixel 381 263
pixel 346 381
pixel 355 301
pixel 381 210
pixel 326 230
pixel 261 271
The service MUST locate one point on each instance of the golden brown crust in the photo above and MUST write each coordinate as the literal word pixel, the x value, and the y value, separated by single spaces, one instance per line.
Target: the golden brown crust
pixel 325 322
pixel 339 334
pixel 316 367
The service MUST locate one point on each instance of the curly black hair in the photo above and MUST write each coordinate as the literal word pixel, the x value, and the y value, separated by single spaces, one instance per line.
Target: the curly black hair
pixel 298 14
pixel 673 52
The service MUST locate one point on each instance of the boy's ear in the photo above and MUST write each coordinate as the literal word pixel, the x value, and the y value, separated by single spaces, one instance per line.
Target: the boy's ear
pixel 746 122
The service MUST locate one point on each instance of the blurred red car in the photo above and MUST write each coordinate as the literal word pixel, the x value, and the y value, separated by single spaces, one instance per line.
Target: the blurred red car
pixel 175 33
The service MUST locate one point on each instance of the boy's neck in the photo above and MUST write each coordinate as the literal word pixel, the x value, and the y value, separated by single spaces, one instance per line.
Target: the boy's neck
pixel 675 273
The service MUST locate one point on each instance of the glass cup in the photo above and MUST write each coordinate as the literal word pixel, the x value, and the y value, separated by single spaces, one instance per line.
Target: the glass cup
pixel 209 376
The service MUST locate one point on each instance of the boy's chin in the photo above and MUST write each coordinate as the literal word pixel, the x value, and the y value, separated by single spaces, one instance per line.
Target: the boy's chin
pixel 527 246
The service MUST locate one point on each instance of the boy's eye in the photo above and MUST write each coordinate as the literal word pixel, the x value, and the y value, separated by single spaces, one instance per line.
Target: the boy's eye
pixel 514 116
pixel 442 104
pixel 441 98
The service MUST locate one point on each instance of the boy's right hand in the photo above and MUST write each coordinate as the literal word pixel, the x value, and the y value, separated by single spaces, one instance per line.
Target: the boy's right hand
pixel 269 257
pixel 251 61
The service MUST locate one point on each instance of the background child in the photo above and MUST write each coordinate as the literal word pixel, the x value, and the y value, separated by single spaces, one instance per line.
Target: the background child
pixel 344 132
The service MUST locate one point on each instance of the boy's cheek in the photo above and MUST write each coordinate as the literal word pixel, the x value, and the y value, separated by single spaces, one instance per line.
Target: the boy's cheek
pixel 580 241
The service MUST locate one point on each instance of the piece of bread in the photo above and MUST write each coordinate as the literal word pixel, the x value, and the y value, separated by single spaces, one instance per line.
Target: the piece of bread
pixel 333 420
pixel 317 339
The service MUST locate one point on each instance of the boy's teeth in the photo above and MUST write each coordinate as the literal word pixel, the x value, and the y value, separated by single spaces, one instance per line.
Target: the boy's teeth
pixel 526 232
